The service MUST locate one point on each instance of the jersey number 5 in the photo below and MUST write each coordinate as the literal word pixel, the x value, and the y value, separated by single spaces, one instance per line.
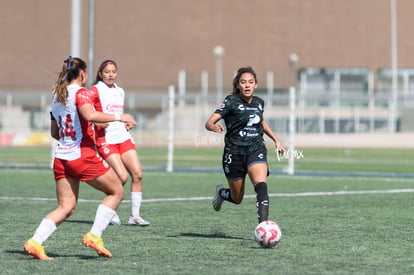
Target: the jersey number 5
pixel 228 158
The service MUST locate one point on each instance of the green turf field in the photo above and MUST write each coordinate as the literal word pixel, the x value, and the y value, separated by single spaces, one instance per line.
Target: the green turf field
pixel 331 224
pixel 314 159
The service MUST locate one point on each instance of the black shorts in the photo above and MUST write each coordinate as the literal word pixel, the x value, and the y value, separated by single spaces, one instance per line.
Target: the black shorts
pixel 235 166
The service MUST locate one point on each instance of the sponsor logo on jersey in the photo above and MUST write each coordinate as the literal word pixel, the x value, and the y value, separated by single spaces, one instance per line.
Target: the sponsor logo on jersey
pixel 114 108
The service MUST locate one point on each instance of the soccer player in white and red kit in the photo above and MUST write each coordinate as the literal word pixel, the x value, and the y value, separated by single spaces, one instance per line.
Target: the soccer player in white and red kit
pixel 76 160
pixel 115 144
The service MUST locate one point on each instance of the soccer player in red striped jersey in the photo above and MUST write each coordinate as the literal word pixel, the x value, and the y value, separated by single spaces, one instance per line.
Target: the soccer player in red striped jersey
pixel 76 160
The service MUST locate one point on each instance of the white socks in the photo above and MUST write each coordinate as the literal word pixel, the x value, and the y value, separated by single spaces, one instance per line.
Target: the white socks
pixel 47 227
pixel 136 199
pixel 103 217
pixel 44 231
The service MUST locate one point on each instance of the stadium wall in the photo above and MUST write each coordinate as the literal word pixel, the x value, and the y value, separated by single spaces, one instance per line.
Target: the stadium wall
pixel 153 40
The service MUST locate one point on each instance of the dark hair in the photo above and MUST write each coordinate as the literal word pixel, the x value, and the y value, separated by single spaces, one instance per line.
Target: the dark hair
pixel 101 67
pixel 70 70
pixel 236 79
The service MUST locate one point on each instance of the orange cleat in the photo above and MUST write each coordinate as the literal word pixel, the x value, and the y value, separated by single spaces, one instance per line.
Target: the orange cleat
pixel 36 249
pixel 95 242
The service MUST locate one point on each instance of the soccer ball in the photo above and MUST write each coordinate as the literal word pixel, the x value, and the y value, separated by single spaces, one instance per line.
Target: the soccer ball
pixel 267 234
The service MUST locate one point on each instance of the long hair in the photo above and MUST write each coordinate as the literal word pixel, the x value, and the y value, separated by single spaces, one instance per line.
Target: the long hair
pixel 101 67
pixel 70 70
pixel 236 79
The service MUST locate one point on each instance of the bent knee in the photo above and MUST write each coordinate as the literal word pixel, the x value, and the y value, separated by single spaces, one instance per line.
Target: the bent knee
pixel 137 177
pixel 120 193
pixel 237 200
pixel 123 177
pixel 117 190
pixel 68 210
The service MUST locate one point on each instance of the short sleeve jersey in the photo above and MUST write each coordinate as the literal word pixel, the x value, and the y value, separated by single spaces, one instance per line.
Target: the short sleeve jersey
pixel 243 122
pixel 74 131
pixel 110 101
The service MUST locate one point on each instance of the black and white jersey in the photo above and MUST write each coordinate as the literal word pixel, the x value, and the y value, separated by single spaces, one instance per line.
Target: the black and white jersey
pixel 243 122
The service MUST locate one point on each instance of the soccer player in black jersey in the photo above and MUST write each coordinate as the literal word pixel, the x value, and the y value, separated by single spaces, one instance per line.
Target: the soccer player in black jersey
pixel 244 150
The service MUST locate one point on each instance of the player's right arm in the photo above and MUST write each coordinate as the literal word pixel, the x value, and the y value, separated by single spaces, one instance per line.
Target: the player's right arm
pixel 220 112
pixel 54 129
pixel 212 124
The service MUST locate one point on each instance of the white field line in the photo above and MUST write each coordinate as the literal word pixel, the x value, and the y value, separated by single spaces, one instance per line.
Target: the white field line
pixel 305 194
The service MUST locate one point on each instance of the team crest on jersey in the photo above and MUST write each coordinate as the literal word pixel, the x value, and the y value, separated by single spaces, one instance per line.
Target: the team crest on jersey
pixel 221 106
pixel 260 107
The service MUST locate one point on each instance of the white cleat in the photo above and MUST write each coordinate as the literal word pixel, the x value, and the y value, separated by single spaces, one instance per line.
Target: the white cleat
pixel 116 220
pixel 138 221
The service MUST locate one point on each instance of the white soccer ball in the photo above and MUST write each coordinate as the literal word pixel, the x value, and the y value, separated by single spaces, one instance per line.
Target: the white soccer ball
pixel 267 234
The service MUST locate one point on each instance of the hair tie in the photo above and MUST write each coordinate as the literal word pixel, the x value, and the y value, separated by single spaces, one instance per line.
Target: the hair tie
pixel 67 68
pixel 103 65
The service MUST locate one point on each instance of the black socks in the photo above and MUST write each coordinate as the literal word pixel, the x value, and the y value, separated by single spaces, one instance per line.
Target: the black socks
pixel 262 201
pixel 225 194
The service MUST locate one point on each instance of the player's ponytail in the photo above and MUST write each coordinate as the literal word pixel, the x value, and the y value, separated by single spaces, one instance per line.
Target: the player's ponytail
pixel 70 70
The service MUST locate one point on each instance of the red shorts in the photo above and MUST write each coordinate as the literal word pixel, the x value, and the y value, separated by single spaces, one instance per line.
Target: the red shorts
pixel 120 148
pixel 88 167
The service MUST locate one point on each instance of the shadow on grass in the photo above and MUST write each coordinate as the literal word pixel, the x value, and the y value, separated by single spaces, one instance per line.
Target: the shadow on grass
pixel 53 255
pixel 78 221
pixel 208 236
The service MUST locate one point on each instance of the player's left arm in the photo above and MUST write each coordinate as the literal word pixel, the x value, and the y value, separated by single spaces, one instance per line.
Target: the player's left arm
pixel 102 124
pixel 88 112
pixel 268 131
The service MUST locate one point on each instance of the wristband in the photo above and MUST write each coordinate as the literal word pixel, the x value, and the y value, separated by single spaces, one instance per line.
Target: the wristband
pixel 117 117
